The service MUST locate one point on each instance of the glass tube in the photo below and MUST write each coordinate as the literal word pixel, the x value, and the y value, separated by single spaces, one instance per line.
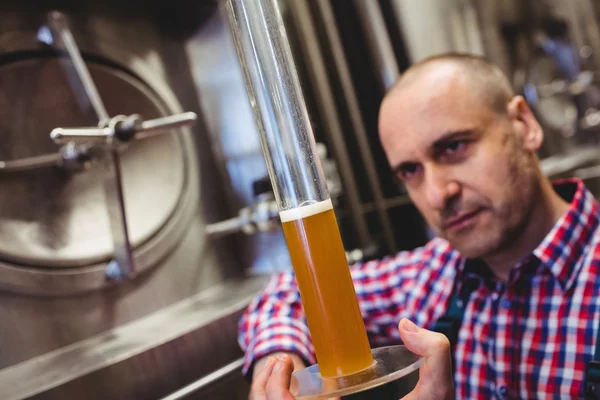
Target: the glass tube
pixel 307 215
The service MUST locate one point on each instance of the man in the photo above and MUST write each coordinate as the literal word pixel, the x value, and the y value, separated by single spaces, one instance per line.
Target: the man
pixel 520 254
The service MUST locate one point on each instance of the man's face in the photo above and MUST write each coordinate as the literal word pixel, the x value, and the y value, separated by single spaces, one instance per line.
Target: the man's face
pixel 470 171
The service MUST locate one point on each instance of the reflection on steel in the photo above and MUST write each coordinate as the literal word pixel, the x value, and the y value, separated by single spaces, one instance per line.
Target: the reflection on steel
pixel 206 381
pixel 98 354
pixel 325 9
pixel 380 44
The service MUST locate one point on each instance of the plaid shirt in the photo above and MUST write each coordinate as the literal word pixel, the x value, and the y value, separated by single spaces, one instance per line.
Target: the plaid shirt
pixel 528 338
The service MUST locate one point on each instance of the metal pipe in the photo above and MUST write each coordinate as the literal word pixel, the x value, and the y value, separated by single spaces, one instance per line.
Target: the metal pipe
pixel 350 96
pixel 63 38
pixel 64 135
pixel 382 51
pixel 156 126
pixel 226 227
pixel 326 104
pixel 125 128
pixel 30 163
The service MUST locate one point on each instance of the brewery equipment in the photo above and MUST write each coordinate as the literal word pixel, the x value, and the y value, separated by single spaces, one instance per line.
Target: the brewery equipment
pixel 109 286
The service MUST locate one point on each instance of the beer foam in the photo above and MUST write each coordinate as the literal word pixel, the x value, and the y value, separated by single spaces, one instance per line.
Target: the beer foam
pixel 305 211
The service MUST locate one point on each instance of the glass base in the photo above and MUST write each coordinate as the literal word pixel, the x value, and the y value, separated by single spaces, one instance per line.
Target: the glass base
pixel 391 363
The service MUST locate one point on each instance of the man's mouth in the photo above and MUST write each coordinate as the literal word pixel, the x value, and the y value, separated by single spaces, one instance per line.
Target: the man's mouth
pixel 462 220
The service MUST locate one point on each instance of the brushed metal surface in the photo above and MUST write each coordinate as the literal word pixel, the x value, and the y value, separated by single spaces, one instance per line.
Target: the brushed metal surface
pixel 71 362
pixel 70 281
pixel 51 218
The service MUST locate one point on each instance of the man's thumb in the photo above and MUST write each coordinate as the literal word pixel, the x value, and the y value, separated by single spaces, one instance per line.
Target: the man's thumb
pixel 435 375
pixel 423 342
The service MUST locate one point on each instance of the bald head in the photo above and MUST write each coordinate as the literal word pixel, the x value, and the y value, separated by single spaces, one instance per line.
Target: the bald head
pixel 484 80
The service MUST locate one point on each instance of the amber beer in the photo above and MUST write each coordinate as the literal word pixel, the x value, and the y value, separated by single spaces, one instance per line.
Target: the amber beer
pixel 328 296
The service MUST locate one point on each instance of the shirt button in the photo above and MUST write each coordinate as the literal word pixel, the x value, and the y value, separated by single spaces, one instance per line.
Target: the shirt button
pixel 502 391
pixel 505 303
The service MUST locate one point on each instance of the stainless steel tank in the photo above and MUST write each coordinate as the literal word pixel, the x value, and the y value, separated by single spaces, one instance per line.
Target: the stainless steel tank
pixel 71 326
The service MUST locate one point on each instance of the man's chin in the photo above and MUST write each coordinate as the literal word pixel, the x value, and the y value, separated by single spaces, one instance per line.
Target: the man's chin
pixel 471 246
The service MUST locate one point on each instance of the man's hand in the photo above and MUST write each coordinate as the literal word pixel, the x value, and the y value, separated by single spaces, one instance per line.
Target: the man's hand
pixel 435 375
pixel 272 381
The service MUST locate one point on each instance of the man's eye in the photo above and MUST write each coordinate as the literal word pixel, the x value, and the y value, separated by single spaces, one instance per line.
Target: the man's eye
pixel 407 171
pixel 453 151
pixel 454 147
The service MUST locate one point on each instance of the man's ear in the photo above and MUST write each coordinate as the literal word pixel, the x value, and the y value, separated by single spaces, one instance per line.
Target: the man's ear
pixel 519 112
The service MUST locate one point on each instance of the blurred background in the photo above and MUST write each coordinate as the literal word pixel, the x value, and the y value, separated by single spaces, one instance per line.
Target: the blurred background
pixel 124 269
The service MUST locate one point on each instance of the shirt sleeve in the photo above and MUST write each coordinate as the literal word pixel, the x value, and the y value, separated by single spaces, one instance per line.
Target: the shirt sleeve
pixel 274 321
pixel 386 289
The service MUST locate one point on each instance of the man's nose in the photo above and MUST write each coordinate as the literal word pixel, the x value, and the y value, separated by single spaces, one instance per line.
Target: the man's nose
pixel 440 188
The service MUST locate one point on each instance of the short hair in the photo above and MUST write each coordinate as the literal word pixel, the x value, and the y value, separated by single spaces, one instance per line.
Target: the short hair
pixel 488 80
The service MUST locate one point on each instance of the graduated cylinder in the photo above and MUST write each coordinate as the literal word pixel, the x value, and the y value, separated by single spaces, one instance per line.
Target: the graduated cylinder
pixel 307 215
pixel 328 296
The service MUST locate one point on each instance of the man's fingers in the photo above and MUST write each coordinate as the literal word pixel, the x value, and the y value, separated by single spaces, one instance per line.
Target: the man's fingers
pixel 278 383
pixel 259 385
pixel 423 342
